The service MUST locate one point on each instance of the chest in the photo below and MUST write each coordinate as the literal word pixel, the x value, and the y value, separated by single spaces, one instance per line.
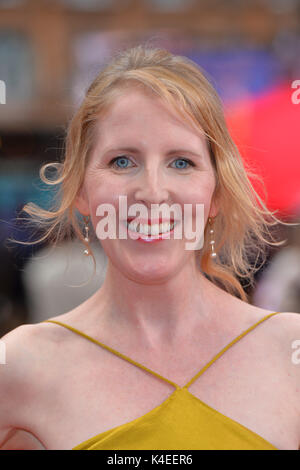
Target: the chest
pixel 104 391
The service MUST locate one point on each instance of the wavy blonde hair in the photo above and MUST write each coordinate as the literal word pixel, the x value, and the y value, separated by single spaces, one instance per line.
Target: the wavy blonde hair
pixel 242 226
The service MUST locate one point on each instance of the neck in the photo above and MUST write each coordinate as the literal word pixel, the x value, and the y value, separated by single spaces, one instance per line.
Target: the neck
pixel 157 314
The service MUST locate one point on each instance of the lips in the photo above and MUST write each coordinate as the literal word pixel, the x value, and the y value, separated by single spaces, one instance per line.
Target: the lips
pixel 150 238
pixel 150 221
pixel 147 237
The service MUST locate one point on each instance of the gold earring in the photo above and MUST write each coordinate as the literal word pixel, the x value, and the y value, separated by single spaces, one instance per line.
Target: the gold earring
pixel 213 254
pixel 86 236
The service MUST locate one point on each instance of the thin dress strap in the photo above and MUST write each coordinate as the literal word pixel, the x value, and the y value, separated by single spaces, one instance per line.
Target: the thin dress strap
pixel 227 347
pixel 126 358
pixel 113 351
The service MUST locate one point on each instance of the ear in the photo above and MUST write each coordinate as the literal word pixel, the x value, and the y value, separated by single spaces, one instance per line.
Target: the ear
pixel 81 202
pixel 214 207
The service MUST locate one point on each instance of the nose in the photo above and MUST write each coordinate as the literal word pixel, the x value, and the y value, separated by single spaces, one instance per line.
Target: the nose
pixel 151 187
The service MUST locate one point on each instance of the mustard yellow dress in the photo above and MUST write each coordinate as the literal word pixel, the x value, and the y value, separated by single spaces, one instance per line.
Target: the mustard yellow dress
pixel 181 422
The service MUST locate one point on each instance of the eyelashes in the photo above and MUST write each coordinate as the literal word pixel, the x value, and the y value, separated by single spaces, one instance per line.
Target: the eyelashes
pixel 124 158
pixel 111 163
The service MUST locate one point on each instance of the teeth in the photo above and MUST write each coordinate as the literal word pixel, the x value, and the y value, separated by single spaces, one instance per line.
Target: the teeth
pixel 154 229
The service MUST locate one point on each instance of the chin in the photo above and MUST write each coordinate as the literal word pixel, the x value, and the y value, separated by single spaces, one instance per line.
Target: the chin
pixel 151 274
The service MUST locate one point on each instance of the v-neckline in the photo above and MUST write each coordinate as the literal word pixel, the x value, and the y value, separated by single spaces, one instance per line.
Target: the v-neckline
pixel 162 405
pixel 177 387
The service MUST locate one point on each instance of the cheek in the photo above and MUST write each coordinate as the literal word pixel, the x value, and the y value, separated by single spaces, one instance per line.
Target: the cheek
pixel 102 189
pixel 200 193
pixel 100 194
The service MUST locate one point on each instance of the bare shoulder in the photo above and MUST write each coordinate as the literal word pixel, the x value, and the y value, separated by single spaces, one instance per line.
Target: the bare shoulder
pixel 278 333
pixel 281 337
pixel 281 327
pixel 20 345
pixel 282 324
pixel 285 325
pixel 17 388
pixel 27 343
pixel 32 368
pixel 31 346
pixel 28 349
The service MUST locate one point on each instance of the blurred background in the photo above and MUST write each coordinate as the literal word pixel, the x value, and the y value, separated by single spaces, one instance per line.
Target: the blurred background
pixel 50 50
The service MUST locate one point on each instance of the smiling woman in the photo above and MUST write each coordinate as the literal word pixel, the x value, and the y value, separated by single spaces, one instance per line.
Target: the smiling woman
pixel 151 130
pixel 241 230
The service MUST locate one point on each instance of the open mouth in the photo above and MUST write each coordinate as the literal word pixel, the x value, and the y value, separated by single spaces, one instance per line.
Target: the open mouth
pixel 151 229
pixel 140 230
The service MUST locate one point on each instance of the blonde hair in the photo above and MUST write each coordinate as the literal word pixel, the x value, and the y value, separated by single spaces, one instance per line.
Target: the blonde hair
pixel 242 226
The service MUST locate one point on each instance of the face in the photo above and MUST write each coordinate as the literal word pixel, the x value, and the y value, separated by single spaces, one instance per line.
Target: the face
pixel 146 152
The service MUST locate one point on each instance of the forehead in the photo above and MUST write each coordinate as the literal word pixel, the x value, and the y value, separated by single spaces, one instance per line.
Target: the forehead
pixel 138 113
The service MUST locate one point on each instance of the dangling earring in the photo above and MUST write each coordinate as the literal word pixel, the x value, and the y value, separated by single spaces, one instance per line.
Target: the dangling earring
pixel 86 237
pixel 213 254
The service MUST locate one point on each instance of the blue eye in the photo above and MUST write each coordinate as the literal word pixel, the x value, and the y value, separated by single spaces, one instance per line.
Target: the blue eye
pixel 183 167
pixel 122 161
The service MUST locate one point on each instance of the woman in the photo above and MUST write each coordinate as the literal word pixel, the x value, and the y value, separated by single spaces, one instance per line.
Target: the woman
pixel 124 369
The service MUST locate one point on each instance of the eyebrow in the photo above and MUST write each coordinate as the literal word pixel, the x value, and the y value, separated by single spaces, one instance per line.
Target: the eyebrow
pixel 186 151
pixel 136 151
